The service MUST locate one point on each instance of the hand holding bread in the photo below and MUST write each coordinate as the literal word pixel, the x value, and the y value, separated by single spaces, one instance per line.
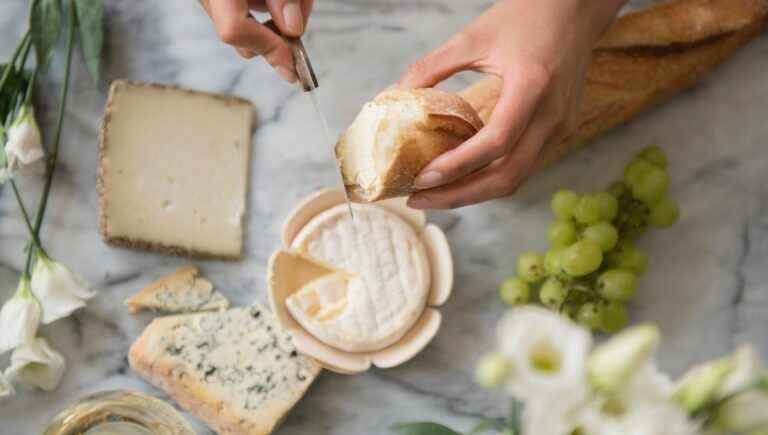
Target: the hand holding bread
pixel 641 60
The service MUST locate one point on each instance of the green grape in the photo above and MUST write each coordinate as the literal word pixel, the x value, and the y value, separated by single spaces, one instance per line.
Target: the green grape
pixel 616 285
pixel 664 213
pixel 562 233
pixel 627 256
pixel 563 202
pixel 493 369
pixel 602 233
pixel 635 169
pixel 515 291
pixel 617 189
pixel 581 258
pixel 615 317
pixel 654 155
pixel 590 315
pixel 609 206
pixel 530 266
pixel 651 186
pixel 588 210
pixel 552 293
pixel 552 261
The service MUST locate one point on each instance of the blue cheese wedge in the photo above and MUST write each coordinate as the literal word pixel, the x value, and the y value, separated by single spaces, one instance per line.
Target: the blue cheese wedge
pixel 183 291
pixel 237 370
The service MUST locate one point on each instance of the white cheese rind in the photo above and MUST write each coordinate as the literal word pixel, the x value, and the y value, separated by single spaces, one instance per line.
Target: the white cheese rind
pixel 237 370
pixel 390 276
pixel 174 170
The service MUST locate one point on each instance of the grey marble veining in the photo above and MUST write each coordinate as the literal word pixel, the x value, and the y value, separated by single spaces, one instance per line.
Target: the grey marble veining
pixel 707 285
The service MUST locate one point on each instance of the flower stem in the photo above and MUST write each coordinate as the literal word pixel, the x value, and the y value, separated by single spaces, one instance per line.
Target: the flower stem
pixel 51 167
pixel 24 213
pixel 7 72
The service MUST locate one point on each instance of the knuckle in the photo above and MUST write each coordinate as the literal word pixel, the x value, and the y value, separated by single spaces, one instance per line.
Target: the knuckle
pixel 230 33
pixel 498 142
pixel 538 75
pixel 418 68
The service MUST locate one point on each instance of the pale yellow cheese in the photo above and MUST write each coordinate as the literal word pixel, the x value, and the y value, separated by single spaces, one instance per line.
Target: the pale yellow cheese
pixel 174 170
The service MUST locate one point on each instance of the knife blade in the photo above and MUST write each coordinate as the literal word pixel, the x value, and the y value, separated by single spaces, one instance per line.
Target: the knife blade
pixel 308 82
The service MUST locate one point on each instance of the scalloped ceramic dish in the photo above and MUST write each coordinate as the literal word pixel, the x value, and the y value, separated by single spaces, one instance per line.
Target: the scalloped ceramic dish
pixel 289 271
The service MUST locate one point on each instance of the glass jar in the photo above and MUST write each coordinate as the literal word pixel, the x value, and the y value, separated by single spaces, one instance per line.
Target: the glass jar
pixel 119 412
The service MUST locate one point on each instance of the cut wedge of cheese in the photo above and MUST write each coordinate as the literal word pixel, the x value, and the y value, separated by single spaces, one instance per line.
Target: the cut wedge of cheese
pixel 173 172
pixel 382 285
pixel 182 291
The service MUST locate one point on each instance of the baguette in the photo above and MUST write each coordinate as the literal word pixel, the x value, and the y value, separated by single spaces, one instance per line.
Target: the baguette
pixel 396 135
pixel 643 59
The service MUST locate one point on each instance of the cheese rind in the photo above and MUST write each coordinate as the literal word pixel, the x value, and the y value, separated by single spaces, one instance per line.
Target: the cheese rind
pixel 389 277
pixel 182 291
pixel 173 172
pixel 237 370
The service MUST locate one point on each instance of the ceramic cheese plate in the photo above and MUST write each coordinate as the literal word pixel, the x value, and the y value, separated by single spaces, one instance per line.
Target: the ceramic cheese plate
pixel 363 290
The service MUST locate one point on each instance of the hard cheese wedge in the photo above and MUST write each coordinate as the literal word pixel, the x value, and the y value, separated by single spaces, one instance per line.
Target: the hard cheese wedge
pixel 237 369
pixel 173 172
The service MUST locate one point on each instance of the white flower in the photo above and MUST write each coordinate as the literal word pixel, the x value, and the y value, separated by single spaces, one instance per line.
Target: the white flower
pixel 6 388
pixel 36 364
pixel 746 368
pixel 19 318
pixel 548 355
pixel 743 412
pixel 24 148
pixel 615 361
pixel 59 290
pixel 549 417
pixel 612 416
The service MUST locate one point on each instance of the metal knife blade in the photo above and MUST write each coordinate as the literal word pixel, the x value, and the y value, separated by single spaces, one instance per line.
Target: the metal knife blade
pixel 308 82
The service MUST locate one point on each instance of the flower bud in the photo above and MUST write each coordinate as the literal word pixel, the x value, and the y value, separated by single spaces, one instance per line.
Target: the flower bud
pixel 36 364
pixel 701 384
pixel 493 369
pixel 59 290
pixel 743 412
pixel 19 318
pixel 614 361
pixel 24 147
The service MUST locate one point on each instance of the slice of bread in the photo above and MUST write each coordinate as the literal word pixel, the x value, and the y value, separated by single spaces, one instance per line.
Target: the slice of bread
pixel 237 370
pixel 394 137
pixel 182 291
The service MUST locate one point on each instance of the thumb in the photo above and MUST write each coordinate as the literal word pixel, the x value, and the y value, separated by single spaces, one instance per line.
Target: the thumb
pixel 290 16
pixel 452 57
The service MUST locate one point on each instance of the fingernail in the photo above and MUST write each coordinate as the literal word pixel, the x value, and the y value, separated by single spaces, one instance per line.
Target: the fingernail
pixel 419 202
pixel 294 21
pixel 428 180
pixel 286 74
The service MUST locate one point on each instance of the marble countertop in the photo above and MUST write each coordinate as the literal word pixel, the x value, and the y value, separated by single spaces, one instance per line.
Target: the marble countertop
pixel 707 286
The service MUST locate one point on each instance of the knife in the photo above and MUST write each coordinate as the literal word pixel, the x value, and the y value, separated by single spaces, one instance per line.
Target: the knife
pixel 308 82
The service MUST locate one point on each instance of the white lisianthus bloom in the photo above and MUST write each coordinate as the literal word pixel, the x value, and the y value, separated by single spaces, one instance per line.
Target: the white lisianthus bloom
pixel 746 368
pixel 615 362
pixel 36 364
pixel 743 412
pixel 19 318
pixel 6 388
pixel 24 148
pixel 550 417
pixel 59 290
pixel 548 357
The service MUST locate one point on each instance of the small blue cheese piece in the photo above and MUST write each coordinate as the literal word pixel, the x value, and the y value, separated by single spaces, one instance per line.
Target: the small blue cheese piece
pixel 183 291
pixel 237 370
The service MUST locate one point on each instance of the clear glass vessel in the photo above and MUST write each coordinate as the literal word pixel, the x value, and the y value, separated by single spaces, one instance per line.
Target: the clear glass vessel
pixel 119 412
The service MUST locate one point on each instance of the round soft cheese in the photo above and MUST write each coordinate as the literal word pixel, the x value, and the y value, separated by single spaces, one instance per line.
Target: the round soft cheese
pixel 381 286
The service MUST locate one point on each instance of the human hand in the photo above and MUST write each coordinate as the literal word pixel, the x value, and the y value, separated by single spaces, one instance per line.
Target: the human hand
pixel 541 51
pixel 250 38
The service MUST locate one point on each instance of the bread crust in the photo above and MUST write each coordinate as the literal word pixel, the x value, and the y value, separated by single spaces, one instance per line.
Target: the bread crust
pixel 450 121
pixel 643 59
pixel 128 242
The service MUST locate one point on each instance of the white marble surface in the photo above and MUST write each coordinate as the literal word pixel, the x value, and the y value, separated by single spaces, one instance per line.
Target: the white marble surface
pixel 707 286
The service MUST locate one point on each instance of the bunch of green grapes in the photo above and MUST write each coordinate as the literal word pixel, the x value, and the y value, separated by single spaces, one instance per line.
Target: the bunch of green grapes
pixel 592 267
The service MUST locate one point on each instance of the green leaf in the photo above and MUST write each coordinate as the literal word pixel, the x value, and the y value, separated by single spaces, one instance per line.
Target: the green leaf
pixel 45 24
pixel 90 18
pixel 423 429
pixel 515 416
pixel 484 426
